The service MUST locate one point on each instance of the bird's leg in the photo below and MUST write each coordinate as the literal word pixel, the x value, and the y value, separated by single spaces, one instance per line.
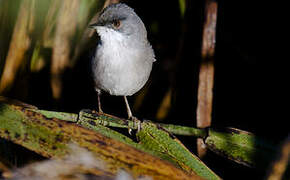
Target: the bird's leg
pixel 99 102
pixel 130 116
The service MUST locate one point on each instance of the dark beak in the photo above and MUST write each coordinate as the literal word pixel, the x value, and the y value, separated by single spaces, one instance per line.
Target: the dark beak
pixel 95 24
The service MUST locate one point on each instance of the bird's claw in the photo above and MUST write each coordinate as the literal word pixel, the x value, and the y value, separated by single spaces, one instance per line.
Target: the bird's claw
pixel 135 121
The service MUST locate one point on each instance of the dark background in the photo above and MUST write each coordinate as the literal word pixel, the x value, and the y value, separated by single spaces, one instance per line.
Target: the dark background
pixel 249 88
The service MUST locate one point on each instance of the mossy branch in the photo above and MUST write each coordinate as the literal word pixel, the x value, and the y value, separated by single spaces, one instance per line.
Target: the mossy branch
pixel 50 137
pixel 48 133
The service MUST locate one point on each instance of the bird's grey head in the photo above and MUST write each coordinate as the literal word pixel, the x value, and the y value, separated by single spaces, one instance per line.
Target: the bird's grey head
pixel 120 19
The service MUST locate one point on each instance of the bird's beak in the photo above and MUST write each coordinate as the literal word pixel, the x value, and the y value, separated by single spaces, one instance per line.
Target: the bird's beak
pixel 95 25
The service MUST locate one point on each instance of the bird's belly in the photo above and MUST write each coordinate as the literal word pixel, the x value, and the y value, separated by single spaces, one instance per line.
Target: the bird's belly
pixel 121 79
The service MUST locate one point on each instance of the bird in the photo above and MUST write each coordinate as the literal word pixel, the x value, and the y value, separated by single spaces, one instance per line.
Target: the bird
pixel 124 57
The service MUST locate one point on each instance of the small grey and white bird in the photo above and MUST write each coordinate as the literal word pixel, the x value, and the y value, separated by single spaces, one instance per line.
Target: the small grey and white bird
pixel 124 57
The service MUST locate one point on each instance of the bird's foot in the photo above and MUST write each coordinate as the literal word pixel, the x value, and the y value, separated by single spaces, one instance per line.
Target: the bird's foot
pixel 99 111
pixel 136 122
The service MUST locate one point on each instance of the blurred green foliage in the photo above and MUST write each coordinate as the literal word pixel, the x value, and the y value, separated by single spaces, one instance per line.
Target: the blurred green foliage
pixel 29 33
pixel 182 7
pixel 8 15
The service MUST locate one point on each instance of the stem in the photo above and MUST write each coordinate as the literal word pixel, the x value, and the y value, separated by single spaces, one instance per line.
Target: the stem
pixel 206 73
pixel 185 131
pixel 91 117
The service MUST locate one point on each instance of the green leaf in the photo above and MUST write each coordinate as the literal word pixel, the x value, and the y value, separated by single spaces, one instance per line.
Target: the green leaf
pixel 241 146
pixel 157 139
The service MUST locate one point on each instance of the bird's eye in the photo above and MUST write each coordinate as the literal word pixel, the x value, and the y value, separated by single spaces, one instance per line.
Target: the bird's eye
pixel 116 24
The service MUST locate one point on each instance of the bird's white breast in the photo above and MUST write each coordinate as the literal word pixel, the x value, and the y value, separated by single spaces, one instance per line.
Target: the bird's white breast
pixel 120 68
